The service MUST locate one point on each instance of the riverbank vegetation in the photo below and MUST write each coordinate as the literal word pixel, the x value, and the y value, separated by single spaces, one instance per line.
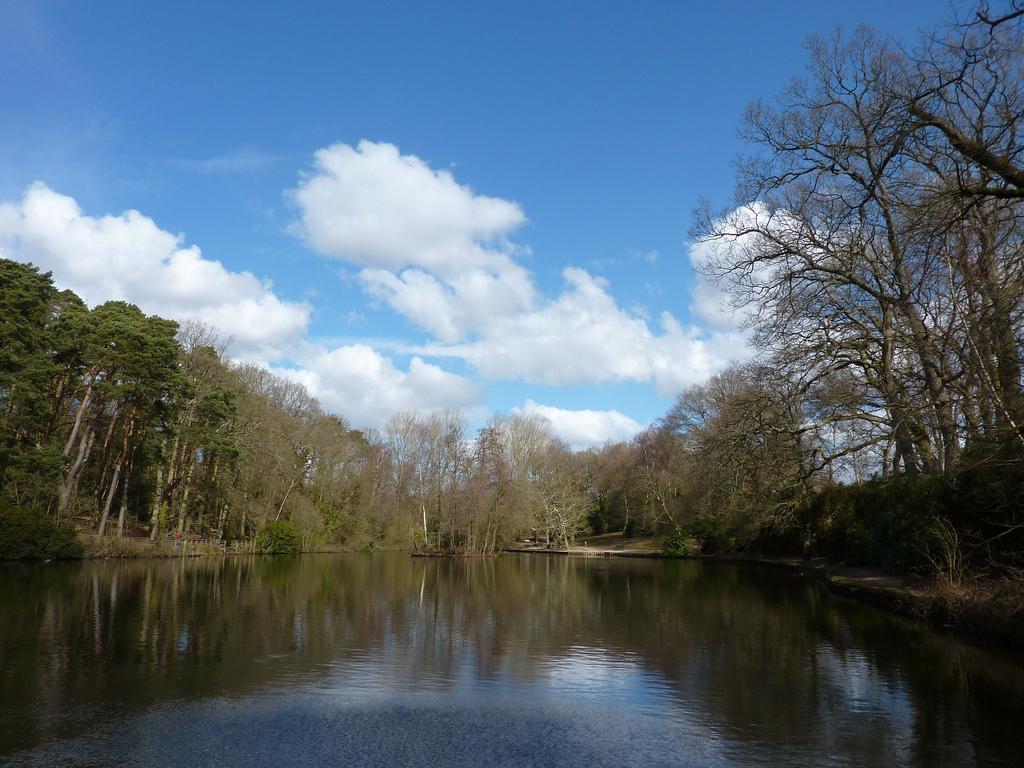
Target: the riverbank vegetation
pixel 874 252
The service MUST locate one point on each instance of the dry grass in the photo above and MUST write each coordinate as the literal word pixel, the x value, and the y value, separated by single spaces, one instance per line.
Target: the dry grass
pixel 616 542
pixel 991 605
pixel 116 547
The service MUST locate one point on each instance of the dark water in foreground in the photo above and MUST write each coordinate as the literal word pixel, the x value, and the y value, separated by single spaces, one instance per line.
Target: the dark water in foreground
pixel 521 660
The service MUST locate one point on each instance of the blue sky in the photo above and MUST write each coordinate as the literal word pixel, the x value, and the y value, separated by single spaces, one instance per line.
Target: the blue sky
pixel 504 143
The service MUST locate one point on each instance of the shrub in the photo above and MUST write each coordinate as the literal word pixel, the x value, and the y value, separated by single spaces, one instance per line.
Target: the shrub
pixel 839 531
pixel 678 544
pixel 885 522
pixel 278 538
pixel 29 534
pixel 713 533
pixel 988 501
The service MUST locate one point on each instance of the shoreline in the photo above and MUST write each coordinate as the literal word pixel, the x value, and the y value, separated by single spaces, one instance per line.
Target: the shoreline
pixel 649 554
pixel 980 609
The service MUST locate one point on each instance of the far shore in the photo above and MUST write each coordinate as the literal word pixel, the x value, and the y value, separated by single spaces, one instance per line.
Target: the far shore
pixel 988 608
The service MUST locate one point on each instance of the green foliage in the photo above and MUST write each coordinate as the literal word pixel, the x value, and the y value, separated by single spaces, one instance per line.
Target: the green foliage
pixel 679 544
pixel 31 475
pixel 598 516
pixel 717 533
pixel 27 299
pixel 27 534
pixel 989 499
pixel 278 538
pixel 339 527
pixel 884 522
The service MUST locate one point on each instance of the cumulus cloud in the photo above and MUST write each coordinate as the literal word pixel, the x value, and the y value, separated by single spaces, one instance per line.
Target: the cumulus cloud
pixel 452 309
pixel 438 253
pixel 368 387
pixel 128 257
pixel 376 207
pixel 431 248
pixel 710 300
pixel 584 428
pixel 583 335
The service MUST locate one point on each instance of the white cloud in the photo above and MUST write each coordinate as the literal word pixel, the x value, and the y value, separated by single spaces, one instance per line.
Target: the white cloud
pixel 434 251
pixel 367 387
pixel 437 253
pixel 711 302
pixel 128 257
pixel 371 205
pixel 451 309
pixel 584 336
pixel 584 428
pixel 431 248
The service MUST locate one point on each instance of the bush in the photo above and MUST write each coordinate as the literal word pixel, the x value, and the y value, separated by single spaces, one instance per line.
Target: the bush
pixel 278 538
pixel 709 533
pixel 988 501
pixel 678 544
pixel 888 523
pixel 29 534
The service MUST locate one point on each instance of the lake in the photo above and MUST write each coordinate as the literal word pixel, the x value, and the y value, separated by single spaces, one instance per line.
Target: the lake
pixel 520 660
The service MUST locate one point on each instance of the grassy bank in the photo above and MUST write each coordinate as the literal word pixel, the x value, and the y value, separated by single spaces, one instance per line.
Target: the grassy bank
pixel 992 607
pixel 100 547
pixel 979 605
pixel 988 606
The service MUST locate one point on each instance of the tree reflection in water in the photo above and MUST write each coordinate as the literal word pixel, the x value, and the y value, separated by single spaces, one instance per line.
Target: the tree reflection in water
pixel 763 665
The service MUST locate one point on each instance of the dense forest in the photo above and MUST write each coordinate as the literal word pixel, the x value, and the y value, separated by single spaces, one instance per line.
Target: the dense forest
pixel 874 251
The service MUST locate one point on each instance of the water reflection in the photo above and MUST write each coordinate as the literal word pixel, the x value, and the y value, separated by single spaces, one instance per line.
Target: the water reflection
pixel 543 660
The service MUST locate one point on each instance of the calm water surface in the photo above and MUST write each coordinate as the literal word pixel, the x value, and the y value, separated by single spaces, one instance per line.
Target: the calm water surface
pixel 522 660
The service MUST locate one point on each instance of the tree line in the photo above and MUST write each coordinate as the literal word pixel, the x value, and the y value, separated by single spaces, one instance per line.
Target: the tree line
pixel 123 424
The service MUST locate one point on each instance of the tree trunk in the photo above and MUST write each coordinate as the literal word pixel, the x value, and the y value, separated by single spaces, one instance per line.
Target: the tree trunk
pixel 280 509
pixel 110 496
pixel 78 418
pixel 183 499
pixel 124 499
pixel 67 487
pixel 119 465
pixel 154 515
